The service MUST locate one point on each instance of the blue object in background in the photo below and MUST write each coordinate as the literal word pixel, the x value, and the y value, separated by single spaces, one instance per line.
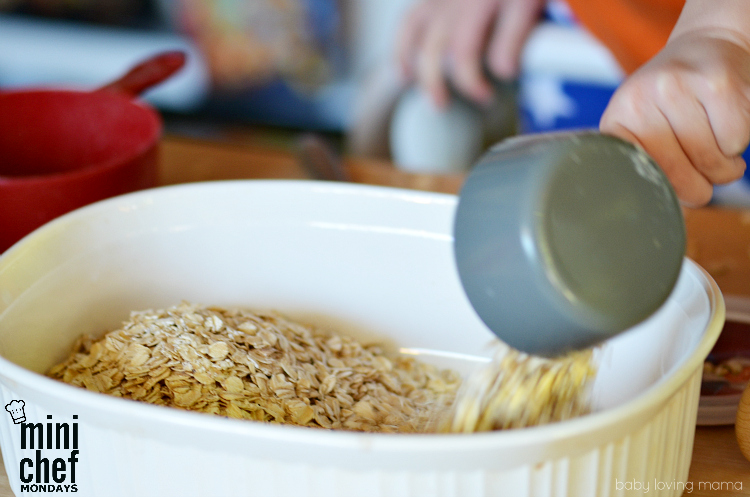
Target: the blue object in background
pixel 550 104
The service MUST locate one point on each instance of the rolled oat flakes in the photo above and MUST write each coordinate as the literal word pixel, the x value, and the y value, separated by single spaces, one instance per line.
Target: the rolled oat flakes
pixel 264 367
pixel 259 366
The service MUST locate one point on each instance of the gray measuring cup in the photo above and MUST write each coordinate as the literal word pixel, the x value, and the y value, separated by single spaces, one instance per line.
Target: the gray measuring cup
pixel 563 240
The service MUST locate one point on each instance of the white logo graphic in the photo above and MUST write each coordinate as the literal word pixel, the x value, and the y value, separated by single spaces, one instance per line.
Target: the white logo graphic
pixel 15 408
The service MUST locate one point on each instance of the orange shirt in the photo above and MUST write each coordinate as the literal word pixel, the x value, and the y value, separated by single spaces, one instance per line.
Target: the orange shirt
pixel 634 30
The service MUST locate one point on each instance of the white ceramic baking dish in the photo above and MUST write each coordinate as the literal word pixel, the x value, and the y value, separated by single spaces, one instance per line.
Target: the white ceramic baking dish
pixel 369 260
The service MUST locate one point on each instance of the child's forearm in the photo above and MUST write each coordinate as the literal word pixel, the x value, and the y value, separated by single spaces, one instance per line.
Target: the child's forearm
pixel 725 19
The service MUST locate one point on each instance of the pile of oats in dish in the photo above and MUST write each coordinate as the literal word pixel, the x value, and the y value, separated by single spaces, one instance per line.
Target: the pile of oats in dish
pixel 516 390
pixel 263 367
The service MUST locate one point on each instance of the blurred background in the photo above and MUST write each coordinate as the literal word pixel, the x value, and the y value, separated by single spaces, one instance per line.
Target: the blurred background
pixel 264 71
pixel 281 63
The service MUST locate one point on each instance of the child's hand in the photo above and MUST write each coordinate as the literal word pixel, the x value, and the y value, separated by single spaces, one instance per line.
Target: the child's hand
pixel 450 39
pixel 689 108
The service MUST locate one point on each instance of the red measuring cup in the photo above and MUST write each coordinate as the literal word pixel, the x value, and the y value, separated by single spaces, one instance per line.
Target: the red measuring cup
pixel 63 149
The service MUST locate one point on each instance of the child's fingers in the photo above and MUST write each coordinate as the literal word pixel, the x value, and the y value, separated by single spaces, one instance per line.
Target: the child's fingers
pixel 430 63
pixel 727 106
pixel 690 122
pixel 410 35
pixel 646 125
pixel 510 34
pixel 467 49
pixel 448 39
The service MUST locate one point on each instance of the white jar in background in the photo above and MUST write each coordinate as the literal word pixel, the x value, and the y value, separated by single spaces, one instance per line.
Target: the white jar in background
pixel 427 139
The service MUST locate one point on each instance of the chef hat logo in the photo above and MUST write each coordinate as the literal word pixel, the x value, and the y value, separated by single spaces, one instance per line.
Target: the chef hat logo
pixel 15 408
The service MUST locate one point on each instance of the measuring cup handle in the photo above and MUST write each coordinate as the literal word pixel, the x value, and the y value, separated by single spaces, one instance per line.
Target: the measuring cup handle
pixel 148 73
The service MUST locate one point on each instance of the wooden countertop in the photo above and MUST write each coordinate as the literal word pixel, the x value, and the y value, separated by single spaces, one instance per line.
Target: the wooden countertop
pixel 719 240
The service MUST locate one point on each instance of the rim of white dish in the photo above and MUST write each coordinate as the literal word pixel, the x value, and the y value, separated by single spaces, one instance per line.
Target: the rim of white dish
pixel 42 389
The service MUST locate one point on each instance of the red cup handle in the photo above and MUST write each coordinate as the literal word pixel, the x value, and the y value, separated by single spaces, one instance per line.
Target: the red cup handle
pixel 147 74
